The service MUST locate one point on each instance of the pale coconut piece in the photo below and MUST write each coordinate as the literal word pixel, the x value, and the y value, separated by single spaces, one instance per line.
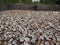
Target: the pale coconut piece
pixel 41 37
pixel 51 24
pixel 47 43
pixel 57 36
pixel 0 42
pixel 22 39
pixel 26 43
pixel 14 42
pixel 9 43
pixel 42 44
pixel 57 43
pixel 27 39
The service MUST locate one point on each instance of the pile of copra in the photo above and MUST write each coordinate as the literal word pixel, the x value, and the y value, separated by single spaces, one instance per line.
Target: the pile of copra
pixel 29 28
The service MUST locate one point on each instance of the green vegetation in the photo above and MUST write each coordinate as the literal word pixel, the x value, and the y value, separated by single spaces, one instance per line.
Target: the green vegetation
pixel 50 2
pixel 12 1
pixel 27 1
pixel 9 1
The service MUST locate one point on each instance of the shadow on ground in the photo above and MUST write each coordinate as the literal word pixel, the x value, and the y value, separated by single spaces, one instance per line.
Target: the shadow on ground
pixel 30 7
